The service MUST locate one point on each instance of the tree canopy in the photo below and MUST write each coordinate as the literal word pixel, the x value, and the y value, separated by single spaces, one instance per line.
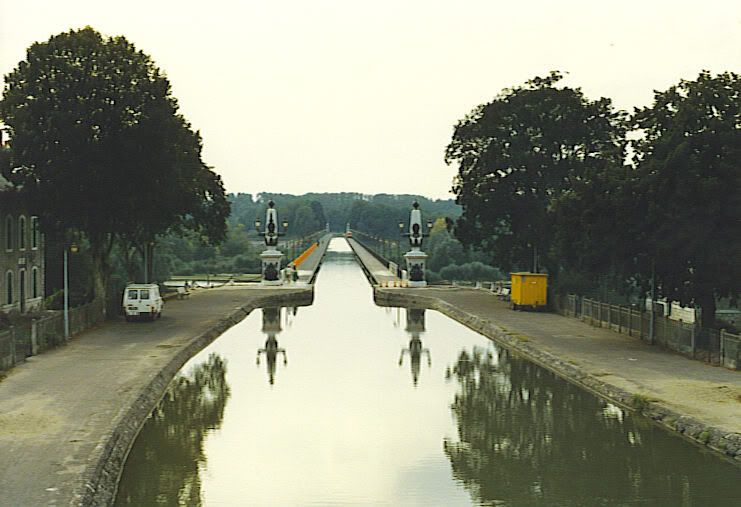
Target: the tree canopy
pixel 689 177
pixel 520 152
pixel 102 147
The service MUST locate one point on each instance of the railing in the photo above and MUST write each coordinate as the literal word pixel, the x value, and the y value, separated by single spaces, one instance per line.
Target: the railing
pixel 730 350
pixel 20 342
pixel 384 249
pixel 294 247
pixel 710 345
pixel 368 242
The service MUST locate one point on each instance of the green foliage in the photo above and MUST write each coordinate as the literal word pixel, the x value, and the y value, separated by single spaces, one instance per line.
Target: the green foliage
pixel 113 158
pixel 444 250
pixel 374 214
pixel 688 184
pixel 517 154
pixel 639 401
pixel 472 271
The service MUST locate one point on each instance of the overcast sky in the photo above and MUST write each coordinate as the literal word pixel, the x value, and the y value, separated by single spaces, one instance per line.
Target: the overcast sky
pixel 341 95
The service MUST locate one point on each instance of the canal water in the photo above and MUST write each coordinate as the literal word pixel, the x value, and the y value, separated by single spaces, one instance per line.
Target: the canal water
pixel 346 403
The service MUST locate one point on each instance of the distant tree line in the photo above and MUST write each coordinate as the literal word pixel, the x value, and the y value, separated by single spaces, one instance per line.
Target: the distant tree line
pixel 544 183
pixel 377 214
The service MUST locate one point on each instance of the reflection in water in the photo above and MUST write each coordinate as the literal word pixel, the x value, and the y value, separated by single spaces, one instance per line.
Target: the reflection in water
pixel 415 327
pixel 527 437
pixel 174 435
pixel 271 327
pixel 347 427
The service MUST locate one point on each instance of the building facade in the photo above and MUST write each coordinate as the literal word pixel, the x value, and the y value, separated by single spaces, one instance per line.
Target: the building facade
pixel 21 254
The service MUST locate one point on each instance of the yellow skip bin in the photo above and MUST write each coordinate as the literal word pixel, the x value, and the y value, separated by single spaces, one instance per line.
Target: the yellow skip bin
pixel 529 290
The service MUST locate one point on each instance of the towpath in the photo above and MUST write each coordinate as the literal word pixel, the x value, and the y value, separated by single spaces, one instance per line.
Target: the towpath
pixel 68 416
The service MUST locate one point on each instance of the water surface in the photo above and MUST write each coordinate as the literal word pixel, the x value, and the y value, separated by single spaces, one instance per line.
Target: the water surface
pixel 347 403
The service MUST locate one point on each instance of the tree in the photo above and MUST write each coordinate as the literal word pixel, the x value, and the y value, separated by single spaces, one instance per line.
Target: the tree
pixel 102 147
pixel 597 222
pixel 689 175
pixel 519 153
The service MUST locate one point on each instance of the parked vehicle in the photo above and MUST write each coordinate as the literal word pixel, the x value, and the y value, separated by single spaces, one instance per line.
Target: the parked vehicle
pixel 142 300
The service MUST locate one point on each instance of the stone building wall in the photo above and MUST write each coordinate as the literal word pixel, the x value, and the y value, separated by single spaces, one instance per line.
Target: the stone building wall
pixel 21 255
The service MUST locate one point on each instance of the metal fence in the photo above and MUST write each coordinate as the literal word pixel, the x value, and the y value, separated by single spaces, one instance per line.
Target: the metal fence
pixel 713 346
pixel 20 342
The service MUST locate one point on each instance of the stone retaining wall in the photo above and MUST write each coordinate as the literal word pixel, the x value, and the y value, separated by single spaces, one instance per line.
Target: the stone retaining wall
pixel 100 479
pixel 726 443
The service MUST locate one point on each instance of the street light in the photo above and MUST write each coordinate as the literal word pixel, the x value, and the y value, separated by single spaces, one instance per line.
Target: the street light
pixel 72 248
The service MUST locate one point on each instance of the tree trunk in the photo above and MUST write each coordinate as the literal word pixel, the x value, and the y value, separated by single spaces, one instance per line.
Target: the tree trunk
pixel 101 251
pixel 706 302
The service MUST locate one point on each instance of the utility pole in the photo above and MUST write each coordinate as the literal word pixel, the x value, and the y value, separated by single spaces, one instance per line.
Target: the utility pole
pixel 652 320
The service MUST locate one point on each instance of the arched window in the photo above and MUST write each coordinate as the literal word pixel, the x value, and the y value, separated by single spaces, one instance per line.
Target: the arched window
pixel 8 232
pixel 35 283
pixel 21 232
pixel 34 233
pixel 9 288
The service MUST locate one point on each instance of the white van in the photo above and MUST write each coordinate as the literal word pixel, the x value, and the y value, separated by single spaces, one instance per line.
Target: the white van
pixel 142 300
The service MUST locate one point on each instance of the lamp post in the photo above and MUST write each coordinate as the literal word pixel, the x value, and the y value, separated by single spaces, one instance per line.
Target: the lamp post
pixel 72 248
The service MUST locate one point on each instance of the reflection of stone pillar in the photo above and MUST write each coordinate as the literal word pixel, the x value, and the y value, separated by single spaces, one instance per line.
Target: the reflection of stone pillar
pixel 271 267
pixel 415 327
pixel 415 321
pixel 416 260
pixel 271 320
pixel 271 327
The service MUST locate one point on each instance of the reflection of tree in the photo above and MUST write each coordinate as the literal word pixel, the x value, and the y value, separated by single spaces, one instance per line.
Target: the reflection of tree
pixel 527 437
pixel 162 468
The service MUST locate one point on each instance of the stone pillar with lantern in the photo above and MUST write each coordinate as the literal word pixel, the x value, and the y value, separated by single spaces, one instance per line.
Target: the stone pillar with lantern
pixel 416 258
pixel 271 257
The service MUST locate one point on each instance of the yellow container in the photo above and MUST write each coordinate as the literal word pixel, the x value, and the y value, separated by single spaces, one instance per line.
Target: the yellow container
pixel 529 290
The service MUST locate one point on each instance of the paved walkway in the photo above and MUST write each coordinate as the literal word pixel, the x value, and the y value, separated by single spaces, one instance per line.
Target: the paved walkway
pixel 308 268
pixel 373 266
pixel 707 393
pixel 56 408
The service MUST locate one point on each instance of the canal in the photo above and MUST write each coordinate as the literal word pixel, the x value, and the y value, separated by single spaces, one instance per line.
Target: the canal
pixel 347 403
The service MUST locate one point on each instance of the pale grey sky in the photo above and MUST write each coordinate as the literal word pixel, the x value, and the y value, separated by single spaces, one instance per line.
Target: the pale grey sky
pixel 341 95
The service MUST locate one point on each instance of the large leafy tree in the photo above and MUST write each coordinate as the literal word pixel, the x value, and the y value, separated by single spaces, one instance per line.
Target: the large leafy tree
pixel 102 147
pixel 689 175
pixel 517 154
pixel 597 223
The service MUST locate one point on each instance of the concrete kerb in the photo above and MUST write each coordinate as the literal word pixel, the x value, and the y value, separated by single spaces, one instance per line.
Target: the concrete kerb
pixel 99 483
pixel 725 443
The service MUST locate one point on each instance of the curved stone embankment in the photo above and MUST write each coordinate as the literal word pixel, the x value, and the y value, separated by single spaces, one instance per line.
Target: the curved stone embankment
pixel 100 479
pixel 721 441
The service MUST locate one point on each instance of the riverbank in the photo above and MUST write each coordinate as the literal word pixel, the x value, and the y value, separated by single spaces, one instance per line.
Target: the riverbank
pixel 696 400
pixel 69 417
